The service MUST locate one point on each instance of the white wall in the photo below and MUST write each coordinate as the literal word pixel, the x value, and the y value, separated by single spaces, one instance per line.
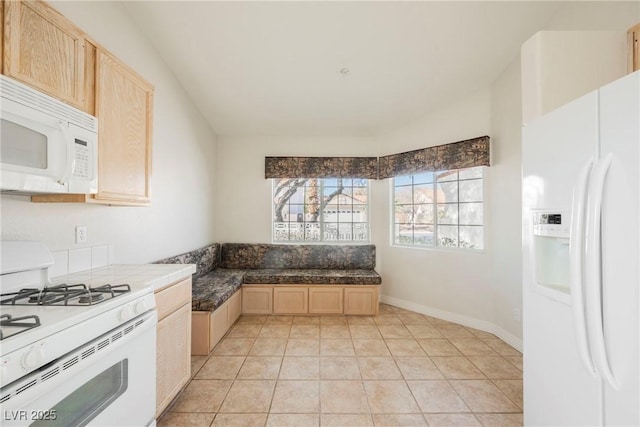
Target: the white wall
pixel 183 195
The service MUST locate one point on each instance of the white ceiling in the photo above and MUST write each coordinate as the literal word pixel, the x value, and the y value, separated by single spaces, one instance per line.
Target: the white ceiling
pixel 273 68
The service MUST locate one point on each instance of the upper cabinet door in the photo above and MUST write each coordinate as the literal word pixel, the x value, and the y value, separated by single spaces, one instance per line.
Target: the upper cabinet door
pixel 44 50
pixel 124 104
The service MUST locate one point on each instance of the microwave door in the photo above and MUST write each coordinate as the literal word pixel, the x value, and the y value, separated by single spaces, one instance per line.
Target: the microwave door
pixel 32 152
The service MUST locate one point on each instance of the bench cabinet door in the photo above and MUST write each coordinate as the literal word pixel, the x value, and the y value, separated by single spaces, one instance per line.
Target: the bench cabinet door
pixel 361 300
pixel 325 299
pixel 257 299
pixel 290 300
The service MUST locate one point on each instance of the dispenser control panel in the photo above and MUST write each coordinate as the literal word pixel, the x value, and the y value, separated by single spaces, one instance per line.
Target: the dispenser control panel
pixel 551 224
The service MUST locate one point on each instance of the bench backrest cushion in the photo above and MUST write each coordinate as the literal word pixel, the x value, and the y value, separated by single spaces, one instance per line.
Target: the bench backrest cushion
pixel 205 259
pixel 256 255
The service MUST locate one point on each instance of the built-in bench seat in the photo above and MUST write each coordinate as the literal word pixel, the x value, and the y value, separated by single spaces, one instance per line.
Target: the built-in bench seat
pixel 235 278
pixel 211 290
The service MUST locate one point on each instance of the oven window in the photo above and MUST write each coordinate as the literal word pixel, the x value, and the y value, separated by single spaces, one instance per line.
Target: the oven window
pixel 22 147
pixel 84 404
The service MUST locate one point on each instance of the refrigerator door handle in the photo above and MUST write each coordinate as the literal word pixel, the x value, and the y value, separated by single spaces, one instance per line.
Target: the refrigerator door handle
pixel 576 265
pixel 595 327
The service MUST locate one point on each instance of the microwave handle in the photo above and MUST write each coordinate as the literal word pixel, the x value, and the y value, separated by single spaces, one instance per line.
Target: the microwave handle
pixel 70 162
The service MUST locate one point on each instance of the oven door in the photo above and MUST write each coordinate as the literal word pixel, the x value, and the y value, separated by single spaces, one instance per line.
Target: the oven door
pixel 107 382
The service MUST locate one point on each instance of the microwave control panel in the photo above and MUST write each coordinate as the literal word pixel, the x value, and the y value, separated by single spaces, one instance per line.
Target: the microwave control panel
pixel 81 167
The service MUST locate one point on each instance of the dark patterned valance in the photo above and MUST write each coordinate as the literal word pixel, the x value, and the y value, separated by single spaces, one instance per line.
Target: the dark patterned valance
pixel 457 155
pixel 321 167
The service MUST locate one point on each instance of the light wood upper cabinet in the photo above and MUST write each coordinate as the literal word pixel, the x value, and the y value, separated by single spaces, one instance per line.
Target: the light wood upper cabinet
pixel 43 49
pixel 124 104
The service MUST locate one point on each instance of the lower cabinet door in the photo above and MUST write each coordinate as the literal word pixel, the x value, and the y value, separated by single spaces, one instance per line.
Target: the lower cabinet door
pixel 235 307
pixel 325 300
pixel 173 363
pixel 257 299
pixel 219 324
pixel 361 300
pixel 290 300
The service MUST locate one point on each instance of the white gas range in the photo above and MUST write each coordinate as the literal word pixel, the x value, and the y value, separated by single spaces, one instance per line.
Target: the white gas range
pixel 80 350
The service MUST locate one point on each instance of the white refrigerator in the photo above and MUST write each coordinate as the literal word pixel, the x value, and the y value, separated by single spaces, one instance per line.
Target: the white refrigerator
pixel 581 233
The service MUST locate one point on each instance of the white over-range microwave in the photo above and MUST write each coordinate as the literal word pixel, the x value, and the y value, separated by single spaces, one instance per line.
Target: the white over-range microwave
pixel 46 146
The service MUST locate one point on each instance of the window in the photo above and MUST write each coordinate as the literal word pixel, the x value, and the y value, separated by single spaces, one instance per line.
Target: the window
pixel 439 209
pixel 320 210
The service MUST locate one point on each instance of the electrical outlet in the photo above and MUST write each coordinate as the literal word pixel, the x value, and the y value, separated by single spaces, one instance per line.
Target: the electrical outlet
pixel 81 234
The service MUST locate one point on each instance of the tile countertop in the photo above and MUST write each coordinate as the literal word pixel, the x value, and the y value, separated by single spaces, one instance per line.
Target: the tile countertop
pixel 155 276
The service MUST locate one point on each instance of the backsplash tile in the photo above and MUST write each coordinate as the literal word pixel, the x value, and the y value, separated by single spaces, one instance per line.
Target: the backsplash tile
pixel 99 256
pixel 61 264
pixel 79 260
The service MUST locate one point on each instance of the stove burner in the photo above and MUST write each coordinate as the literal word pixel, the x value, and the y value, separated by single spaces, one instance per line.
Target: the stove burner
pixel 26 322
pixel 89 298
pixel 64 294
pixel 41 298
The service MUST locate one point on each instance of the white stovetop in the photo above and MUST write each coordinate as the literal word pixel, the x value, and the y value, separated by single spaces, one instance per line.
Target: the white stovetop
pixel 66 327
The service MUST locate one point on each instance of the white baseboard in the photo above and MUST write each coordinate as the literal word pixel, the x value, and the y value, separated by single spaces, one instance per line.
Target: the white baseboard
pixel 482 325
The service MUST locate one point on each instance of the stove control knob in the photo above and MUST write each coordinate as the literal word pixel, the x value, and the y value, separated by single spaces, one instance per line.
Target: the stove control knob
pixel 126 313
pixel 32 358
pixel 140 307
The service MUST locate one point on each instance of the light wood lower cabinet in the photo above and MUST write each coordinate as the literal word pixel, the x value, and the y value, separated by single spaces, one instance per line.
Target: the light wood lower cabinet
pixel 173 342
pixel 209 327
pixel 257 299
pixel 361 300
pixel 310 299
pixel 290 300
pixel 326 300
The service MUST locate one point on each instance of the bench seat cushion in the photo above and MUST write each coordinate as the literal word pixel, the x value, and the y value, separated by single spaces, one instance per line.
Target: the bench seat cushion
pixel 310 276
pixel 211 290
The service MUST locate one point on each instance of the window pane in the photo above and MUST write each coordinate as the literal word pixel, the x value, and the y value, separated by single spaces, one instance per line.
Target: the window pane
pixel 403 195
pixel 403 234
pixel 330 231
pixel 447 192
pixel 403 213
pixel 442 176
pixel 312 231
pixel 471 214
pixel 448 214
pixel 423 214
pixel 402 180
pixel 361 232
pixel 471 191
pixel 423 235
pixel 345 215
pixel 345 232
pixel 448 235
pixel 423 178
pixel 423 193
pixel 471 237
pixel 471 173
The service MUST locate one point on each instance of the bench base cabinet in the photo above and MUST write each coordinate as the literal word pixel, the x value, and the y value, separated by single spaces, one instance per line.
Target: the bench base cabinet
pixel 209 327
pixel 310 299
pixel 173 342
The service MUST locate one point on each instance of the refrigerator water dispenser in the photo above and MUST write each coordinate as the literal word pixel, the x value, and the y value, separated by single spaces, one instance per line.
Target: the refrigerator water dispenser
pixel 551 250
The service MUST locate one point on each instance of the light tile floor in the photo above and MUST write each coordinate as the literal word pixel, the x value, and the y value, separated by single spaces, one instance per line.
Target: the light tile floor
pixel 399 368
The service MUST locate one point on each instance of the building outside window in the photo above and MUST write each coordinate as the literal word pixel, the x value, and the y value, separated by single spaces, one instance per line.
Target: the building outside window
pixel 439 209
pixel 320 210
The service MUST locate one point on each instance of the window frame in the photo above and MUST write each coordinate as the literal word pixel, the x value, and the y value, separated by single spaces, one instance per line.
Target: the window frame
pixel 321 221
pixel 434 203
